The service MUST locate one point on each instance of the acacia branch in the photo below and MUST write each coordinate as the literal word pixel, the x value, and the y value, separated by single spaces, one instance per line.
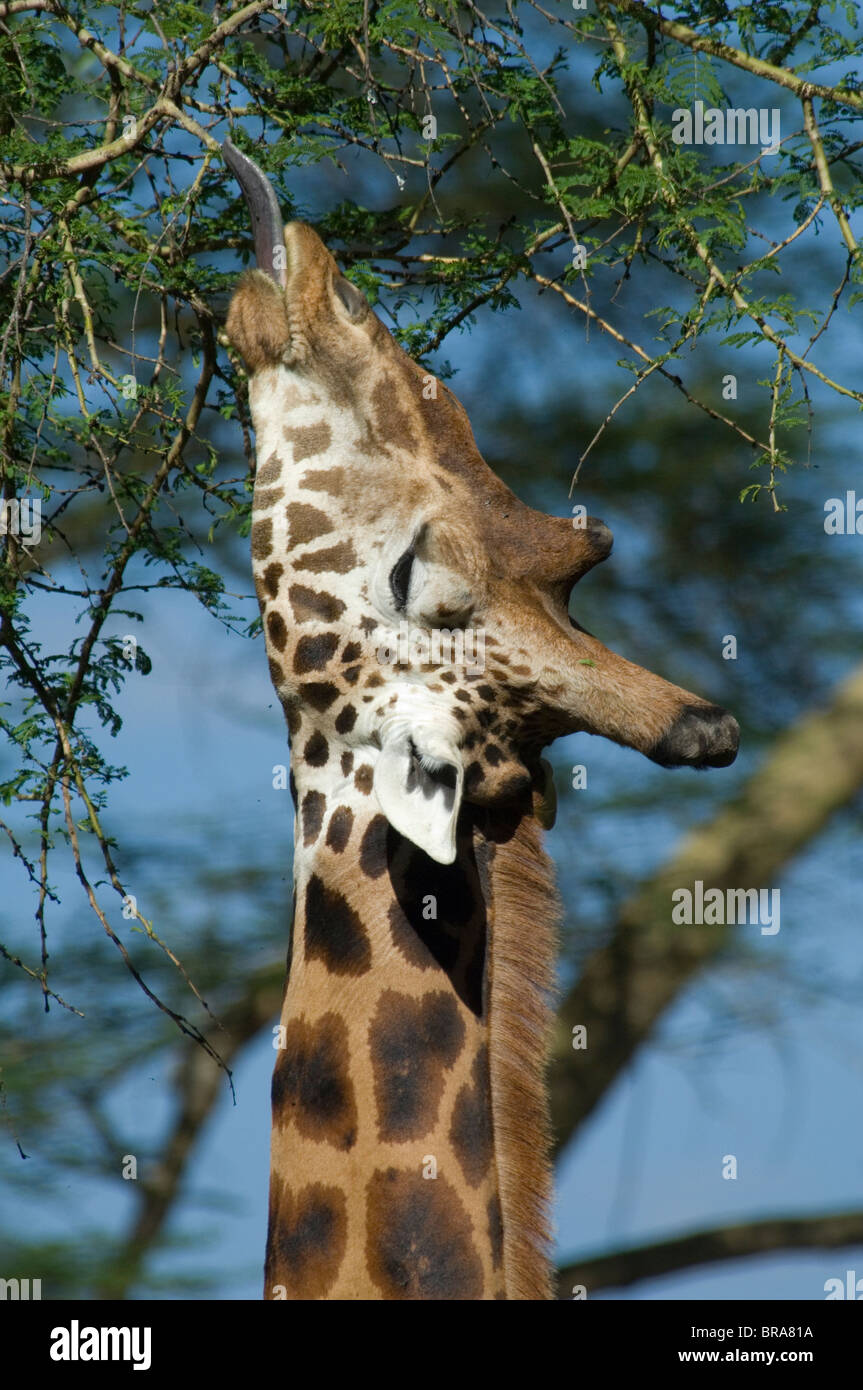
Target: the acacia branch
pixel 672 201
pixel 654 364
pixel 759 67
pixel 825 179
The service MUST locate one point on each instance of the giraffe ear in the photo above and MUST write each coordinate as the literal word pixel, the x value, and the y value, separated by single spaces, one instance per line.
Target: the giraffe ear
pixel 418 781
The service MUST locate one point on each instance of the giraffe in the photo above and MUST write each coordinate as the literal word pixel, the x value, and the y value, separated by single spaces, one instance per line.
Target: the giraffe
pixel 410 1134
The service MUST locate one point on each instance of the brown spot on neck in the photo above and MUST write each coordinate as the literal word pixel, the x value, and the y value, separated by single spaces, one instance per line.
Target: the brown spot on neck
pixel 305 523
pixel 308 440
pixel 337 559
pixel 330 480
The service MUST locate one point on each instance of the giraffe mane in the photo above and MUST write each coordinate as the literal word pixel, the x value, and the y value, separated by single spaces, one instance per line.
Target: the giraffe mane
pixel 521 983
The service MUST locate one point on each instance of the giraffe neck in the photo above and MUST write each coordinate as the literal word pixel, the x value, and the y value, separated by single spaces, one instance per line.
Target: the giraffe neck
pixel 409 1107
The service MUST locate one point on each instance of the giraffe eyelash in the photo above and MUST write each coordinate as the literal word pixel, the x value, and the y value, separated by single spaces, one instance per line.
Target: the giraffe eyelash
pixel 428 762
pixel 400 578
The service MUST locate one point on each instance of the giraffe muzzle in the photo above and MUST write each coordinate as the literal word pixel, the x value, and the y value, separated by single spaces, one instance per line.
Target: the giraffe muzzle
pixel 601 537
pixel 701 736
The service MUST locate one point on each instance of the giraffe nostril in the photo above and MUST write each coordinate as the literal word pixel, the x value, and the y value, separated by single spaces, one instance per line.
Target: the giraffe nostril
pixel 601 536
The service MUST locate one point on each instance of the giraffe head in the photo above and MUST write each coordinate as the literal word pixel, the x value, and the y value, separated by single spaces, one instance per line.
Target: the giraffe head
pixel 415 611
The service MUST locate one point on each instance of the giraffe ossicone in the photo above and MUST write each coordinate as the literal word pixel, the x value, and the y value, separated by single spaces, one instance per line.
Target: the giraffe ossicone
pixel 410 1119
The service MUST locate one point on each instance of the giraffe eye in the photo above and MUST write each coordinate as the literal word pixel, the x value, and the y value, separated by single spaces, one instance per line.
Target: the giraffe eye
pixel 400 579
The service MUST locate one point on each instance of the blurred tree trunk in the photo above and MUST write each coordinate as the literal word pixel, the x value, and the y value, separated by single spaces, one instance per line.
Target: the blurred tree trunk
pixel 814 768
pixel 828 1232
